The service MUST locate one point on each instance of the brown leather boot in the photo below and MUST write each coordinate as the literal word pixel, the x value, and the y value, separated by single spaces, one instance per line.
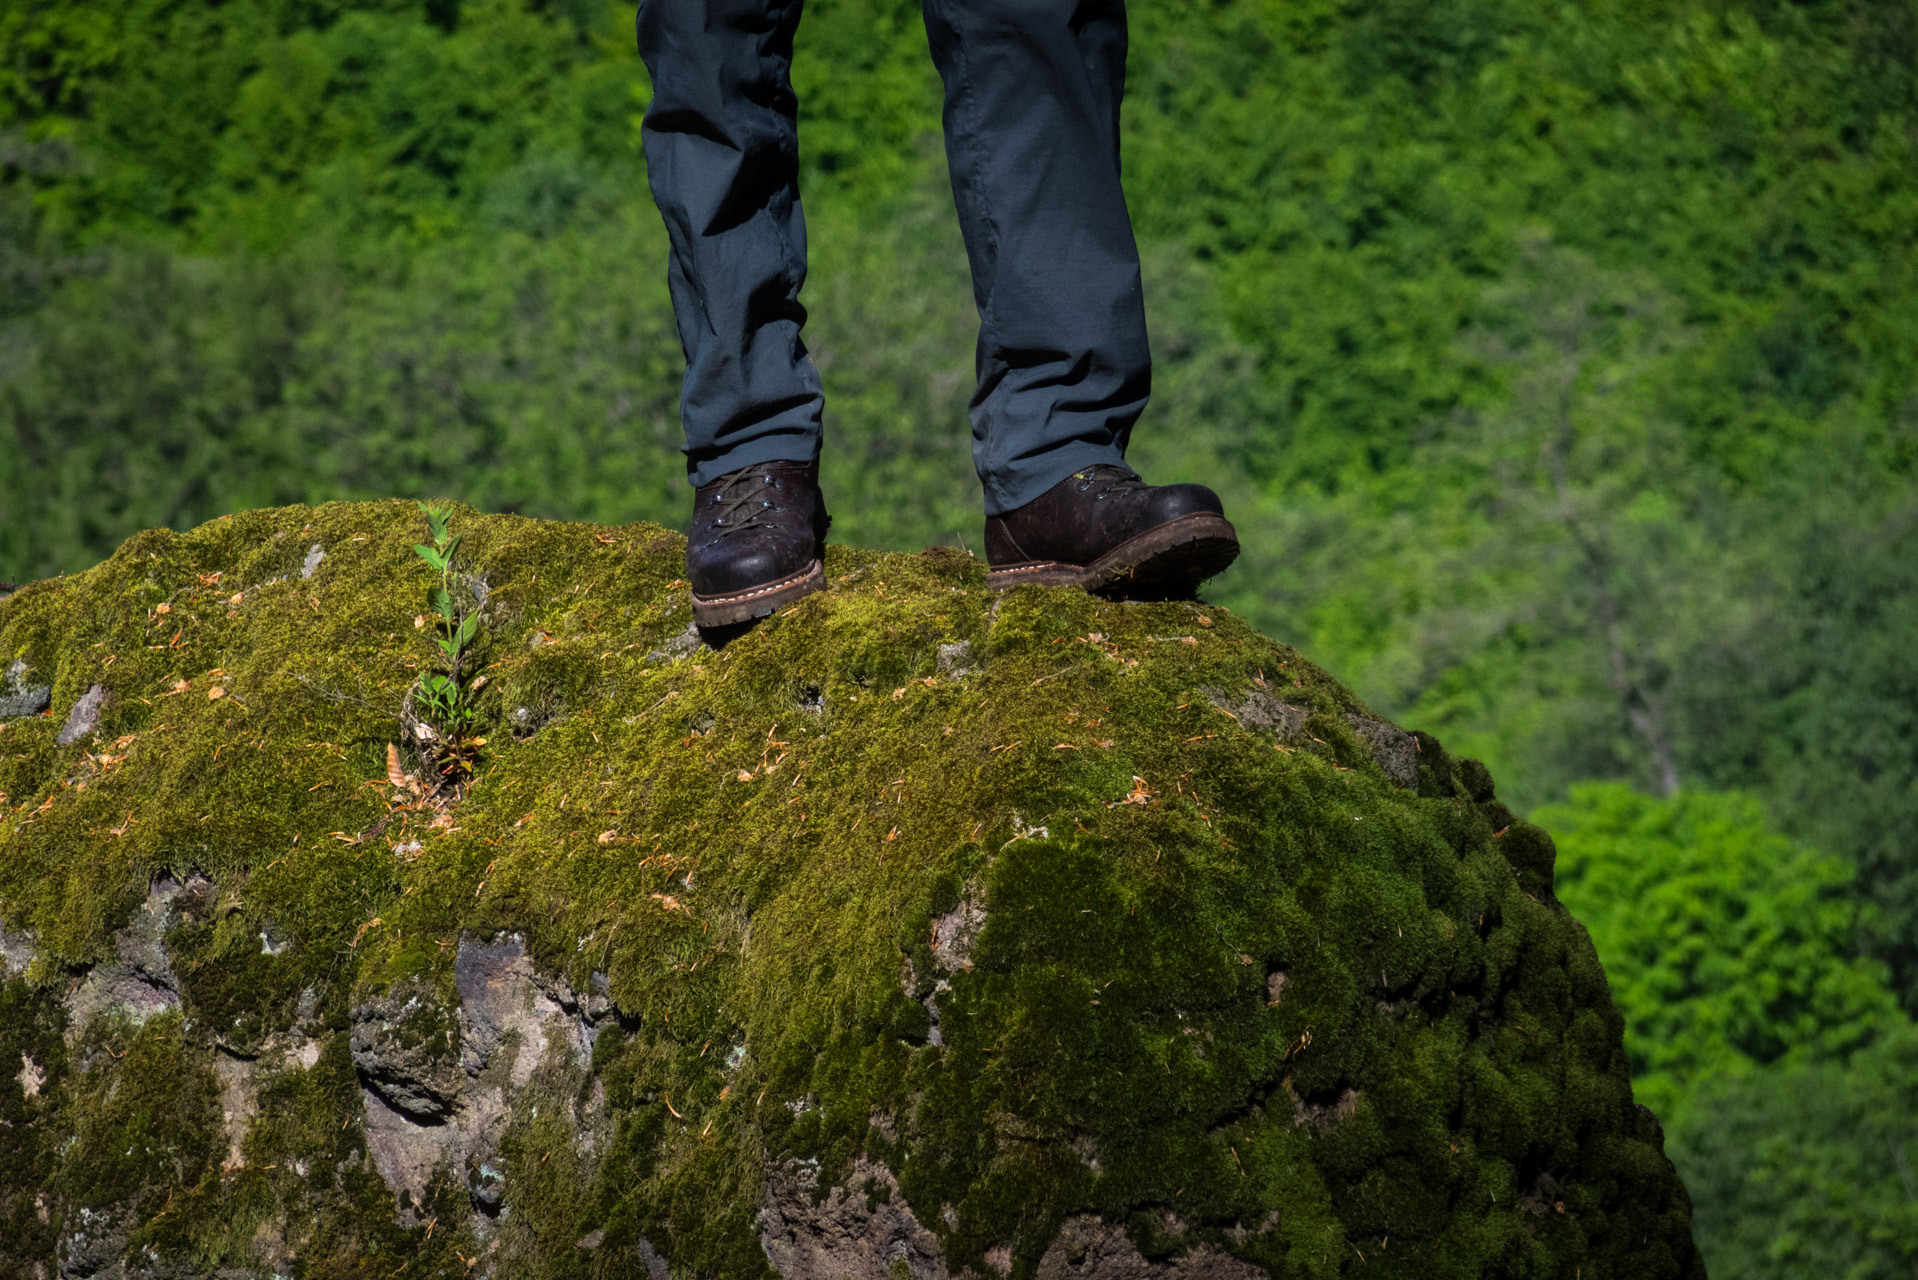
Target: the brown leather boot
pixel 756 542
pixel 1104 529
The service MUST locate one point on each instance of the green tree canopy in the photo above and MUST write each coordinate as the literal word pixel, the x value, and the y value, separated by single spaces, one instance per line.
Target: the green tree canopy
pixel 1728 945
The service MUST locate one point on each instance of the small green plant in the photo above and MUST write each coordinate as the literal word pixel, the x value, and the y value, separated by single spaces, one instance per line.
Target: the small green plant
pixel 444 702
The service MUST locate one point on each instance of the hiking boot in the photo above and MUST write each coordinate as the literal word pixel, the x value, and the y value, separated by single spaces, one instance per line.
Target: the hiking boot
pixel 756 543
pixel 1104 529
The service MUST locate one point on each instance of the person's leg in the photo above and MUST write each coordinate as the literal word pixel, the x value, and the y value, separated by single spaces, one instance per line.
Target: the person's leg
pixel 1032 138
pixel 722 155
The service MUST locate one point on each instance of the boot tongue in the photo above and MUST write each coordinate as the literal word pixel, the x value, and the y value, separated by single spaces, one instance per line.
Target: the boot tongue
pixel 1113 478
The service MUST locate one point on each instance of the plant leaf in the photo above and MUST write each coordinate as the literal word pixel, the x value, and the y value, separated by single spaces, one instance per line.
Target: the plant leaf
pixel 443 604
pixel 467 629
pixel 436 518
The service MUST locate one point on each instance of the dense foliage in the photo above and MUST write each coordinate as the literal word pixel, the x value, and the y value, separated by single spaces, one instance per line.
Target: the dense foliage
pixel 1724 941
pixel 1788 1083
pixel 1557 359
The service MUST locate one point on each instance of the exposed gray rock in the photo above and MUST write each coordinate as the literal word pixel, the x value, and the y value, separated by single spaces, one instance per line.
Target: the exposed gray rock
pixel 21 697
pixel 239 1100
pixel 31 1076
pixel 403 1151
pixel 1087 1248
pixel 683 645
pixel 450 1107
pixel 1259 710
pixel 953 935
pixel 861 1230
pixel 502 998
pixel 955 659
pixel 406 1049
pixel 93 1244
pixel 1396 750
pixel 656 1268
pixel 16 951
pixel 84 716
pixel 314 554
pixel 139 982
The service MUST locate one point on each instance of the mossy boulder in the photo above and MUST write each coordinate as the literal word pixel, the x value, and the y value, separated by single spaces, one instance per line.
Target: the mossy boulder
pixel 918 932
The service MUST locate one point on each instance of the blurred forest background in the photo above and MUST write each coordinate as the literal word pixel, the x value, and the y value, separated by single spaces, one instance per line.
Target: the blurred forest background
pixel 1558 361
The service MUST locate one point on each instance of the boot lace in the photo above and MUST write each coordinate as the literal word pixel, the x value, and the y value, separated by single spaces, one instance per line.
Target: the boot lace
pixel 742 502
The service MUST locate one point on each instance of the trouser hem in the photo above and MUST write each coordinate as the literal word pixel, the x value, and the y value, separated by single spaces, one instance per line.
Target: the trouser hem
pixel 779 448
pixel 1009 491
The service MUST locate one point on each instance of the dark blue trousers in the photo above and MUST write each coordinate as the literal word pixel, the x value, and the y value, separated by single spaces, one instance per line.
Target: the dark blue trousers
pixel 1032 138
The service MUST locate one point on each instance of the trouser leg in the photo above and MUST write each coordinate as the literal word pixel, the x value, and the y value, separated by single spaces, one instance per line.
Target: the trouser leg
pixel 722 155
pixel 1032 138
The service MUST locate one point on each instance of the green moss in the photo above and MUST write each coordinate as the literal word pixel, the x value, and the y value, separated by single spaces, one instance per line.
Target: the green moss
pixel 1248 984
pixel 145 1123
pixel 32 1106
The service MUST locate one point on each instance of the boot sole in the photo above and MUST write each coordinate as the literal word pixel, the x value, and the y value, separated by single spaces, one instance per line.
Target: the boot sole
pixel 1178 553
pixel 759 601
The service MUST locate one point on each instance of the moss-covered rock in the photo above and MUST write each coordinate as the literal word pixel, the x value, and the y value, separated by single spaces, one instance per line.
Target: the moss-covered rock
pixel 918 932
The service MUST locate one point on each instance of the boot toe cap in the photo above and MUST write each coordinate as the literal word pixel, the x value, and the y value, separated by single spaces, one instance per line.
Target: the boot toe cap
pixel 1175 501
pixel 725 568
